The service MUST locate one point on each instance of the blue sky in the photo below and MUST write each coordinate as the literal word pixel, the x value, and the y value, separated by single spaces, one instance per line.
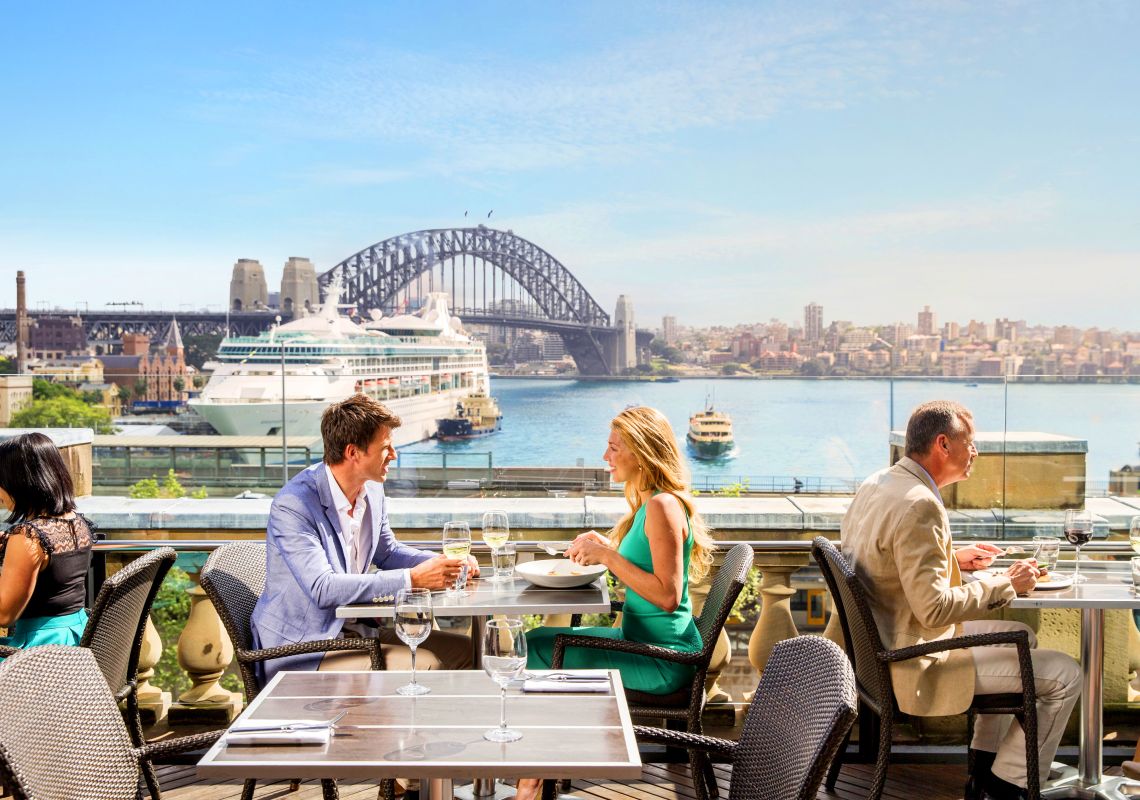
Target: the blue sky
pixel 721 162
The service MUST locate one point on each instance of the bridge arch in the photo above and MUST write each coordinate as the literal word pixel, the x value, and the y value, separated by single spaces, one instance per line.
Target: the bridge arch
pixel 376 276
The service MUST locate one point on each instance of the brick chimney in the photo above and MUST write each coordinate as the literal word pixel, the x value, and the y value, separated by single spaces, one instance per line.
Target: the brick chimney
pixel 21 324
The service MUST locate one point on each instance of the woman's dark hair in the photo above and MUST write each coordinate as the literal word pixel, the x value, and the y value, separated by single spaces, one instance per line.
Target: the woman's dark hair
pixel 33 473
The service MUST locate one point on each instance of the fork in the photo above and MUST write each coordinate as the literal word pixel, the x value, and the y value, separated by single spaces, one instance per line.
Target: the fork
pixel 568 676
pixel 294 726
pixel 554 549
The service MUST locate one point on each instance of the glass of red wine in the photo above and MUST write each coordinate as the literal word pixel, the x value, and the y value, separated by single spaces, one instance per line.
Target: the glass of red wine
pixel 1078 531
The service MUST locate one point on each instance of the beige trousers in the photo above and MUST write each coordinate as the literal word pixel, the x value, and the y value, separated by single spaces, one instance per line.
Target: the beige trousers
pixel 442 650
pixel 1057 678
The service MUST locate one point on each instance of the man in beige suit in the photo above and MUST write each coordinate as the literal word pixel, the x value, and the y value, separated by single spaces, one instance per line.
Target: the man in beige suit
pixel 896 535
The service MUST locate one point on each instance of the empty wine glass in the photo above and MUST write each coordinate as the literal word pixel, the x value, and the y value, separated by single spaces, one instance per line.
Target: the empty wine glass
pixel 457 544
pixel 1078 531
pixel 1134 535
pixel 413 625
pixel 496 532
pixel 504 656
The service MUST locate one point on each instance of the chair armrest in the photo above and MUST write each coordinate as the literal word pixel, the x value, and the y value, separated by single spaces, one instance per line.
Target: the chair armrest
pixel 691 741
pixel 319 646
pixel 563 641
pixel 616 606
pixel 166 747
pixel 6 651
pixel 1018 638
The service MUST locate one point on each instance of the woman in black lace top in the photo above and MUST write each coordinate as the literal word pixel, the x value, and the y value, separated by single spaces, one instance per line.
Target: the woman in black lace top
pixel 46 552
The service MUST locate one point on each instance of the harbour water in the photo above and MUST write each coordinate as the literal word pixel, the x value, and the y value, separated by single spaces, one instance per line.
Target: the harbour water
pixel 836 429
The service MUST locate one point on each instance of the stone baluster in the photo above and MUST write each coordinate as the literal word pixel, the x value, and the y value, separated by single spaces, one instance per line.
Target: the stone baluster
pixel 154 702
pixel 775 622
pixel 204 652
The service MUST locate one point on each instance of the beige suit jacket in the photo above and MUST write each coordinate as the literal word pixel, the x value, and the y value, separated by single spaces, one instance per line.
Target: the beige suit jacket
pixel 896 535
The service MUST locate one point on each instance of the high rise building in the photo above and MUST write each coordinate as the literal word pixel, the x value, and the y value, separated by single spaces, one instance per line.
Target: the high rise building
pixel 813 323
pixel 669 329
pixel 950 331
pixel 625 356
pixel 927 322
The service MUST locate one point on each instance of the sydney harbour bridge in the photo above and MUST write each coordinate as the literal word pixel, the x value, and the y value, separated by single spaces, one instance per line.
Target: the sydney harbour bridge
pixel 492 277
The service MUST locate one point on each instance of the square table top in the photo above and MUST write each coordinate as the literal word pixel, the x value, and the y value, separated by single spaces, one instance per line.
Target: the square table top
pixel 1109 586
pixel 436 735
pixel 484 597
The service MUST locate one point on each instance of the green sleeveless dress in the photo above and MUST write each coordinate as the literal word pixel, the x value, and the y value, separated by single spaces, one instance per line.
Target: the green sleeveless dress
pixel 641 622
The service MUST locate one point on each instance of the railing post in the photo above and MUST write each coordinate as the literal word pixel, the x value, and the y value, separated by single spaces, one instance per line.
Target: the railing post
pixel 204 652
pixel 154 702
pixel 775 622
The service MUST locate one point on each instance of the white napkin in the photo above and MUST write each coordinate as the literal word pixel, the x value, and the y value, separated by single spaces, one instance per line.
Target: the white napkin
pixel 541 685
pixel 305 735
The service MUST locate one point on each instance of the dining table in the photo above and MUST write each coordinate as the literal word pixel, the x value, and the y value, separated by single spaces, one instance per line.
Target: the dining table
pixel 1109 586
pixel 435 737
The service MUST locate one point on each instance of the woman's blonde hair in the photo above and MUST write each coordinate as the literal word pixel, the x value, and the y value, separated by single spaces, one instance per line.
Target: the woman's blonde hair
pixel 661 468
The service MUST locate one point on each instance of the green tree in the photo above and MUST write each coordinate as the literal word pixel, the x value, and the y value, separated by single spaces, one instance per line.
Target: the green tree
pixel 63 412
pixel 146 489
pixel 7 366
pixel 199 380
pixel 140 389
pixel 124 395
pixel 811 369
pixel 199 349
pixel 730 369
pixel 46 390
pixel 178 384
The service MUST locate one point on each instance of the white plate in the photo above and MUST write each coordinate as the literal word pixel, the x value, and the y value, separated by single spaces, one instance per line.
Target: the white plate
pixel 559 573
pixel 1055 581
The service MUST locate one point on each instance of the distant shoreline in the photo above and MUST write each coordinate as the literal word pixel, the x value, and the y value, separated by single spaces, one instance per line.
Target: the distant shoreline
pixel 1051 380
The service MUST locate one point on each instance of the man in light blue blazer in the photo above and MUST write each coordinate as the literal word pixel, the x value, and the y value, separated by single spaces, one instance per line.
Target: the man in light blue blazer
pixel 327 528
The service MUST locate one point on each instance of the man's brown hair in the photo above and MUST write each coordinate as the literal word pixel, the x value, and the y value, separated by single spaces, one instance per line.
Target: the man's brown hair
pixel 931 419
pixel 353 421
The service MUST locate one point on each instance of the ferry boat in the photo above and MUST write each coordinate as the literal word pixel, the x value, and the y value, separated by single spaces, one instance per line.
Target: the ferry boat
pixel 419 365
pixel 475 415
pixel 710 433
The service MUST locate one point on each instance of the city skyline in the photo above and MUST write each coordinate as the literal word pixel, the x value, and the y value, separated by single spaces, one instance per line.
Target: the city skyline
pixel 976 158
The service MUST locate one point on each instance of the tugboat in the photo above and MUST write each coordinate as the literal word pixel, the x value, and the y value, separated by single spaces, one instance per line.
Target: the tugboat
pixel 475 415
pixel 710 433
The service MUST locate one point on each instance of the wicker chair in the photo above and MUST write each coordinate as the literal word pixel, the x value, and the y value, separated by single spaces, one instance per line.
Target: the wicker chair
pixel 114 633
pixel 800 716
pixel 234 578
pixel 685 705
pixel 873 676
pixel 63 737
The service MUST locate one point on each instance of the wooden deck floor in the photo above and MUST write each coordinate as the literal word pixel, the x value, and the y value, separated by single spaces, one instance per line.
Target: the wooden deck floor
pixel 658 782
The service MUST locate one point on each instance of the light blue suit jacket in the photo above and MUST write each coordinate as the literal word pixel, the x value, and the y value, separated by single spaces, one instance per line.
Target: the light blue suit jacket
pixel 306 576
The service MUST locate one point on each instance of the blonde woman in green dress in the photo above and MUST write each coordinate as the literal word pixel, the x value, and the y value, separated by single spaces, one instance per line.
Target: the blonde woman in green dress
pixel 654 550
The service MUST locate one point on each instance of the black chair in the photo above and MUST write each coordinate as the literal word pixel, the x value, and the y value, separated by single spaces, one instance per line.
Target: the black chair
pixel 873 676
pixel 114 633
pixel 685 705
pixel 800 716
pixel 63 737
pixel 234 578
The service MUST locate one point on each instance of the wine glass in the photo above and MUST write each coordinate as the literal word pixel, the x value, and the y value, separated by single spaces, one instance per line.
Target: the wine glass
pixel 504 656
pixel 1134 535
pixel 496 532
pixel 457 544
pixel 413 625
pixel 1078 530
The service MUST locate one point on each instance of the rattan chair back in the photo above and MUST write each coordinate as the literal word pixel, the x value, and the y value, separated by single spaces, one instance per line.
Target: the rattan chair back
pixel 115 628
pixel 861 634
pixel 62 736
pixel 799 717
pixel 726 587
pixel 234 578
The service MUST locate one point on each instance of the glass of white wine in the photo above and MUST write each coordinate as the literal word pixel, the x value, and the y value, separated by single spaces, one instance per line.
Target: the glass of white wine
pixel 457 544
pixel 504 656
pixel 496 533
pixel 413 625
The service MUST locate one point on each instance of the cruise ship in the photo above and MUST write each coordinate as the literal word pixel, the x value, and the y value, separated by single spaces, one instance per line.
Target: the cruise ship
pixel 419 365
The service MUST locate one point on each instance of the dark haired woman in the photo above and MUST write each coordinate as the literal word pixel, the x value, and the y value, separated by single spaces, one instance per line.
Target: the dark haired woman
pixel 46 552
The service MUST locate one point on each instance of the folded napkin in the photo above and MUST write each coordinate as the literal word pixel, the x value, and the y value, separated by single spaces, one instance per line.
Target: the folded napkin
pixel 544 685
pixel 250 732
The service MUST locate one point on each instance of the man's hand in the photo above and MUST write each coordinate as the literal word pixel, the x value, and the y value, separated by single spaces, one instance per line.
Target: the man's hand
pixel 976 556
pixel 1023 575
pixel 438 572
pixel 472 567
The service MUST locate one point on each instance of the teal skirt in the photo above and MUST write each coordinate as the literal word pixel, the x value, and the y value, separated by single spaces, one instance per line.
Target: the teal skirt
pixel 34 631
